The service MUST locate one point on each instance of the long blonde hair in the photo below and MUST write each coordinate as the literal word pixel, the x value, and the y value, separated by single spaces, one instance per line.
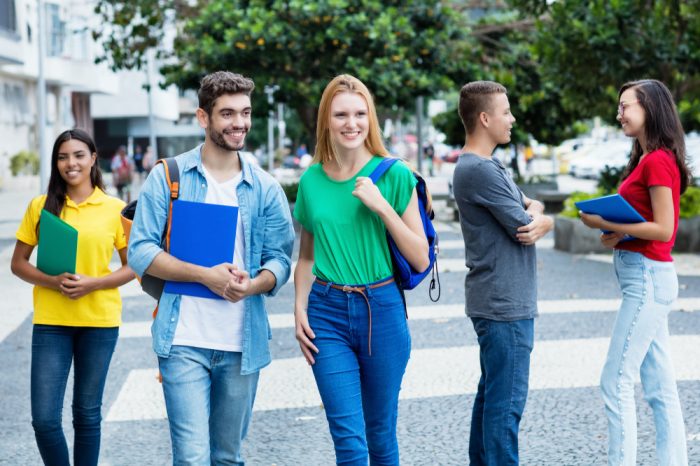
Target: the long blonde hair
pixel 325 151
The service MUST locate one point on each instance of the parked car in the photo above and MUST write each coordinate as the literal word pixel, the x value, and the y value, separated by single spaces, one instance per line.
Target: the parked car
pixel 290 161
pixel 692 150
pixel 565 160
pixel 611 153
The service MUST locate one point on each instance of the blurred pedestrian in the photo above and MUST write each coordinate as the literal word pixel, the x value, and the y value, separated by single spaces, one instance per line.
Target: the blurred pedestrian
pixel 122 173
pixel 653 181
pixel 500 226
pixel 138 160
pixel 76 315
pixel 350 315
pixel 149 160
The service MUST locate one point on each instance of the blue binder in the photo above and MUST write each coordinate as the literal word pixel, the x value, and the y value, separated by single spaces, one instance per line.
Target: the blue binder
pixel 613 208
pixel 202 234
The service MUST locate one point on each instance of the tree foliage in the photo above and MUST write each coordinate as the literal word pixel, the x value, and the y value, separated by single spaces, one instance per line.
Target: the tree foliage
pixel 400 49
pixel 502 51
pixel 588 49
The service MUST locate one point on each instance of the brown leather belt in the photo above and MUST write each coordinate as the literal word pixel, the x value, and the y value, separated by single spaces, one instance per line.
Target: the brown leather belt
pixel 361 291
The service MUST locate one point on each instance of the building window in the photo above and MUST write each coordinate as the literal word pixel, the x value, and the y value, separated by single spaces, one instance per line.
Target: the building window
pixel 8 17
pixel 56 30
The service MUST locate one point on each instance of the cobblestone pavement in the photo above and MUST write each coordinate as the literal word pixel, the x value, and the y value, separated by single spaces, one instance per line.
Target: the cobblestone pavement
pixel 563 424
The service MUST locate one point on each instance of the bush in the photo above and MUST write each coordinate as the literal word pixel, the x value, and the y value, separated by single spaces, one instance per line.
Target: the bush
pixel 570 209
pixel 610 179
pixel 690 202
pixel 290 190
pixel 24 162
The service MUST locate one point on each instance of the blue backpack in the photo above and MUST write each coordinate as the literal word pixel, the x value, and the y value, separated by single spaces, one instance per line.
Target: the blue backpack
pixel 406 276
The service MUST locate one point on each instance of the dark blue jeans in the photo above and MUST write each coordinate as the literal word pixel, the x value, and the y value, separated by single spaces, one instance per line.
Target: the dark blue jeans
pixel 504 356
pixel 53 349
pixel 360 392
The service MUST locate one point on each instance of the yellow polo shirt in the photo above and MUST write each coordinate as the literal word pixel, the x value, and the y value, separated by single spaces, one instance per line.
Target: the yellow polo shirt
pixel 99 232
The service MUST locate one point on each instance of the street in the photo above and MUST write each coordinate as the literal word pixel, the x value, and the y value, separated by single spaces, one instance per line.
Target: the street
pixel 564 421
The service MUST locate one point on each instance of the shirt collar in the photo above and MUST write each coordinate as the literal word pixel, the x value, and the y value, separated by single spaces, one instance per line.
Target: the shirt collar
pixel 96 198
pixel 194 161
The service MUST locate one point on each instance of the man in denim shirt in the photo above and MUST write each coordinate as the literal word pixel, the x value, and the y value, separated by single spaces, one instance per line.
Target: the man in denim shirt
pixel 210 351
pixel 500 227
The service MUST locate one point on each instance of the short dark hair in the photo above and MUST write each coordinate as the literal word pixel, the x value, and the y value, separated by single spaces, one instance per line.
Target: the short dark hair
pixel 216 84
pixel 474 98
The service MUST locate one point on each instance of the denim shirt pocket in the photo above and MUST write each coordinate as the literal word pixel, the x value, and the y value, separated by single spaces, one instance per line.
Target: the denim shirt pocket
pixel 665 283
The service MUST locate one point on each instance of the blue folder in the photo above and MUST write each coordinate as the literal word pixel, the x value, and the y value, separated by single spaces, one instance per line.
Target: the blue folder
pixel 613 208
pixel 202 234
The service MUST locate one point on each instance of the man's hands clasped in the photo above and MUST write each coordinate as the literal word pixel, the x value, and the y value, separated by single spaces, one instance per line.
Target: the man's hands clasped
pixel 229 282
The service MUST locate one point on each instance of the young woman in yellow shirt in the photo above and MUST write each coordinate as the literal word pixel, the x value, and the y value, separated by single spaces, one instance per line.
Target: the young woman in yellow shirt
pixel 76 315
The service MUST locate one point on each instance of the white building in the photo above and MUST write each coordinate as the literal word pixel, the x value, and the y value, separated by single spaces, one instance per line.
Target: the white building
pixel 123 118
pixel 69 69
pixel 113 107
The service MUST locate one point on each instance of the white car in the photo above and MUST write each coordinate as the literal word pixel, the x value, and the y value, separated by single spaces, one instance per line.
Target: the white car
pixel 611 153
pixel 692 151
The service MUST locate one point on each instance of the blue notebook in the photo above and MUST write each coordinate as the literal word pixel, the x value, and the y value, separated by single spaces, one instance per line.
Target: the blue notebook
pixel 202 234
pixel 613 208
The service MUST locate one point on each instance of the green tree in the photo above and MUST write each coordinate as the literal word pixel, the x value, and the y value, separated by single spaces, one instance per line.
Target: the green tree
pixel 502 49
pixel 401 49
pixel 589 48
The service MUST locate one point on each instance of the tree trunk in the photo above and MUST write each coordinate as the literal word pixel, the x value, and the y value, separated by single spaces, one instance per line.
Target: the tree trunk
pixel 308 113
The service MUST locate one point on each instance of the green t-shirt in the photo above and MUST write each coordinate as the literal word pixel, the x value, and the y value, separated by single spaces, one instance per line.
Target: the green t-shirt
pixel 350 245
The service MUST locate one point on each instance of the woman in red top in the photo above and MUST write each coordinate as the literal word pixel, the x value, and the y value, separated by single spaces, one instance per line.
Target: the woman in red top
pixel 655 177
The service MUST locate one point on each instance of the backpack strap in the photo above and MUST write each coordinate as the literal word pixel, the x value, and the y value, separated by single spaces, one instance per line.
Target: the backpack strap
pixel 172 177
pixel 382 168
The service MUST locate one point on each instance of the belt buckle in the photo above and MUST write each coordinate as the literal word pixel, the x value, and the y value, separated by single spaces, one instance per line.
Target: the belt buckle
pixel 347 289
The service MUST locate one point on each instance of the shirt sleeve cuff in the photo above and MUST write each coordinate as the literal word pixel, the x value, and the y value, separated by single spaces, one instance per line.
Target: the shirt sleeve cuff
pixel 141 260
pixel 280 271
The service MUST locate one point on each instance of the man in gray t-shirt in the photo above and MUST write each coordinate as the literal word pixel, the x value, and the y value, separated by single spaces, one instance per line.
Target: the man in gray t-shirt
pixel 500 226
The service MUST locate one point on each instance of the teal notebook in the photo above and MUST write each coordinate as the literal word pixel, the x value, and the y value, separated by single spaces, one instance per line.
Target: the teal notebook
pixel 58 245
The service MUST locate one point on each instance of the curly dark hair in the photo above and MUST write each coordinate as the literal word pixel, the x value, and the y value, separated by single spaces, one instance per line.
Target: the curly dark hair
pixel 220 83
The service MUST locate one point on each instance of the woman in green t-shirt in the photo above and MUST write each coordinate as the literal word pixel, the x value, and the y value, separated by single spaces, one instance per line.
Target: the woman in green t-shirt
pixel 349 312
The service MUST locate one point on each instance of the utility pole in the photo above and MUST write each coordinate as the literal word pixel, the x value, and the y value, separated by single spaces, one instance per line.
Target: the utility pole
pixel 281 126
pixel 44 156
pixel 151 117
pixel 419 133
pixel 270 91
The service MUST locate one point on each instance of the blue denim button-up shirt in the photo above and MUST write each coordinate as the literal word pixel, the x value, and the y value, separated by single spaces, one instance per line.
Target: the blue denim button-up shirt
pixel 268 234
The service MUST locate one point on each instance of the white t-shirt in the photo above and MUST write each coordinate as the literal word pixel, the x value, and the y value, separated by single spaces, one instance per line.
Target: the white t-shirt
pixel 215 323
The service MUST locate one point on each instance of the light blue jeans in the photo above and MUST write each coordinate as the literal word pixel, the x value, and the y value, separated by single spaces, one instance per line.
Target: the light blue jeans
pixel 209 404
pixel 640 344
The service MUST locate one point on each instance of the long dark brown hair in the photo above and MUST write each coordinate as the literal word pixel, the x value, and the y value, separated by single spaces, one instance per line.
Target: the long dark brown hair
pixel 662 126
pixel 56 191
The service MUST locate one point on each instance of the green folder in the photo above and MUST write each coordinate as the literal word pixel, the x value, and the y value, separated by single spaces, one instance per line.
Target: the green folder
pixel 58 245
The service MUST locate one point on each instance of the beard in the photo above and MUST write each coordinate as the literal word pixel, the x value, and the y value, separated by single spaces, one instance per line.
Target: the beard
pixel 218 139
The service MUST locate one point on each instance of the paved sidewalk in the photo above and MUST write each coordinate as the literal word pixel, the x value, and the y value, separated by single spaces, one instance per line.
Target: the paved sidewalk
pixel 564 422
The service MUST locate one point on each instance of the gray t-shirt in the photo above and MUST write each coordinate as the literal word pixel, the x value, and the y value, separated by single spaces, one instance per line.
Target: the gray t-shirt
pixel 502 280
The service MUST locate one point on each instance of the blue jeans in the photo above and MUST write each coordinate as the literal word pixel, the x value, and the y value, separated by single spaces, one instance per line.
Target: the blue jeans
pixel 360 392
pixel 209 404
pixel 504 356
pixel 639 345
pixel 54 348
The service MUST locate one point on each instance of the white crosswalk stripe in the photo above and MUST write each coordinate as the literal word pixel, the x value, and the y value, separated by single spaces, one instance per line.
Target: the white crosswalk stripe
pixel 141 329
pixel 556 364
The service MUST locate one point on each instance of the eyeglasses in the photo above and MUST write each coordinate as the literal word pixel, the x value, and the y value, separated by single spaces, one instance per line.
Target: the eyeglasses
pixel 623 105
